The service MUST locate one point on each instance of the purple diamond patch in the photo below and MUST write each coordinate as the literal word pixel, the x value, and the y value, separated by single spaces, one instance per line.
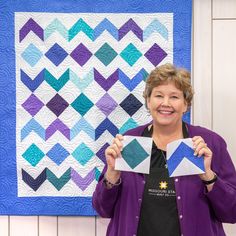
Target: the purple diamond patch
pixel 57 104
pixel 155 54
pixel 32 105
pixel 106 104
pixel 81 54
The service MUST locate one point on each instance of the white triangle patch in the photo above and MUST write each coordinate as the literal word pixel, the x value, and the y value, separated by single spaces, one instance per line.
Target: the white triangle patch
pixel 186 167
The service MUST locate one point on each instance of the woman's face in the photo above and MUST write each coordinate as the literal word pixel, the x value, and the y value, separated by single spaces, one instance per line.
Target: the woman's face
pixel 167 105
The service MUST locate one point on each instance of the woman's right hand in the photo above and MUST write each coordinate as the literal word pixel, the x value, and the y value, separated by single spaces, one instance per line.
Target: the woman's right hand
pixel 111 153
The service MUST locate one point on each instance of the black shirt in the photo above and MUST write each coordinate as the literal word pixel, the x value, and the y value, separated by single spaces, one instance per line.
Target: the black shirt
pixel 159 215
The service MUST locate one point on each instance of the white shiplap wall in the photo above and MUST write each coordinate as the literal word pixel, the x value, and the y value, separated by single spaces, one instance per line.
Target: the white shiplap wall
pixel 214 60
pixel 224 78
pixel 214 80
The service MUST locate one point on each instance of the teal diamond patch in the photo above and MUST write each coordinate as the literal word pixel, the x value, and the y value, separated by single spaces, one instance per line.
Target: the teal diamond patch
pixel 32 55
pixel 131 54
pixel 82 154
pixel 134 154
pixel 82 104
pixel 33 155
pixel 106 54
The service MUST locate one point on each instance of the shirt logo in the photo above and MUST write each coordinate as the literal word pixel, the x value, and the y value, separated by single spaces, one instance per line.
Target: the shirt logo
pixel 163 185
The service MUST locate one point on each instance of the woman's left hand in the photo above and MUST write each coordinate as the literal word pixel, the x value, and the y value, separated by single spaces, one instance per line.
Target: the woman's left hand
pixel 201 149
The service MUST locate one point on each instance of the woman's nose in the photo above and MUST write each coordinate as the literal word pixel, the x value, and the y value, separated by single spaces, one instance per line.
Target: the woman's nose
pixel 166 101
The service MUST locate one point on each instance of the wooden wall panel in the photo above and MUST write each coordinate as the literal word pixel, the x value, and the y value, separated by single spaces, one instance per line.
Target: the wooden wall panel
pixel 101 226
pixel 224 9
pixel 224 83
pixel 23 226
pixel 76 226
pixel 4 225
pixel 48 226
pixel 201 64
pixel 224 79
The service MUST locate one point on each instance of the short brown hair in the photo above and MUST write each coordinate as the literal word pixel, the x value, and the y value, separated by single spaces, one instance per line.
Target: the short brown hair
pixel 167 73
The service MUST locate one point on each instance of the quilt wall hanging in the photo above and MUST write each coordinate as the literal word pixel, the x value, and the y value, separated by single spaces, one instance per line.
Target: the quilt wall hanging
pixel 72 74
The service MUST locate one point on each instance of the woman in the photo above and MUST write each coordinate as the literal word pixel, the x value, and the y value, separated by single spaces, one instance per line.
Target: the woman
pixel 193 205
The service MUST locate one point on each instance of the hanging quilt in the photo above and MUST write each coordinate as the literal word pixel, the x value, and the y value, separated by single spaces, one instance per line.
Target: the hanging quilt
pixel 72 74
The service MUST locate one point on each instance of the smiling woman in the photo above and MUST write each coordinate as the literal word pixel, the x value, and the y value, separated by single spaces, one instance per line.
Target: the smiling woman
pixel 168 73
pixel 156 204
pixel 166 104
pixel 168 95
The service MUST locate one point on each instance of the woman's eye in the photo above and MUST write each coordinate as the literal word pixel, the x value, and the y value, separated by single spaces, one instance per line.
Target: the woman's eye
pixel 159 96
pixel 174 97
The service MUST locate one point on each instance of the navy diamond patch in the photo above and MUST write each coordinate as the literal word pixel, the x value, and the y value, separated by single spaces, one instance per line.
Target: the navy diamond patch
pixel 131 104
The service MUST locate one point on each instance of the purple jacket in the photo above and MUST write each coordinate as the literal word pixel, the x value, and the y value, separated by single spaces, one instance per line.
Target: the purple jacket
pixel 200 213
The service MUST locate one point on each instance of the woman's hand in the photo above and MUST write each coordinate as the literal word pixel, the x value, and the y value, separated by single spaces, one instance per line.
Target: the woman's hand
pixel 111 153
pixel 201 149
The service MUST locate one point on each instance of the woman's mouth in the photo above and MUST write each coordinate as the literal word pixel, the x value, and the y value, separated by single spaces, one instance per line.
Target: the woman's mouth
pixel 165 112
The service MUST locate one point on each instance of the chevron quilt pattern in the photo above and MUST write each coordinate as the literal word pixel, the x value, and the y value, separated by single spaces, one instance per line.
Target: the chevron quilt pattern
pixel 78 81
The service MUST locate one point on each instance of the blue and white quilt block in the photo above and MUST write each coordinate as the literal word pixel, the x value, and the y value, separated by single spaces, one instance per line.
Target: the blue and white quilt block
pixel 135 155
pixel 181 160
